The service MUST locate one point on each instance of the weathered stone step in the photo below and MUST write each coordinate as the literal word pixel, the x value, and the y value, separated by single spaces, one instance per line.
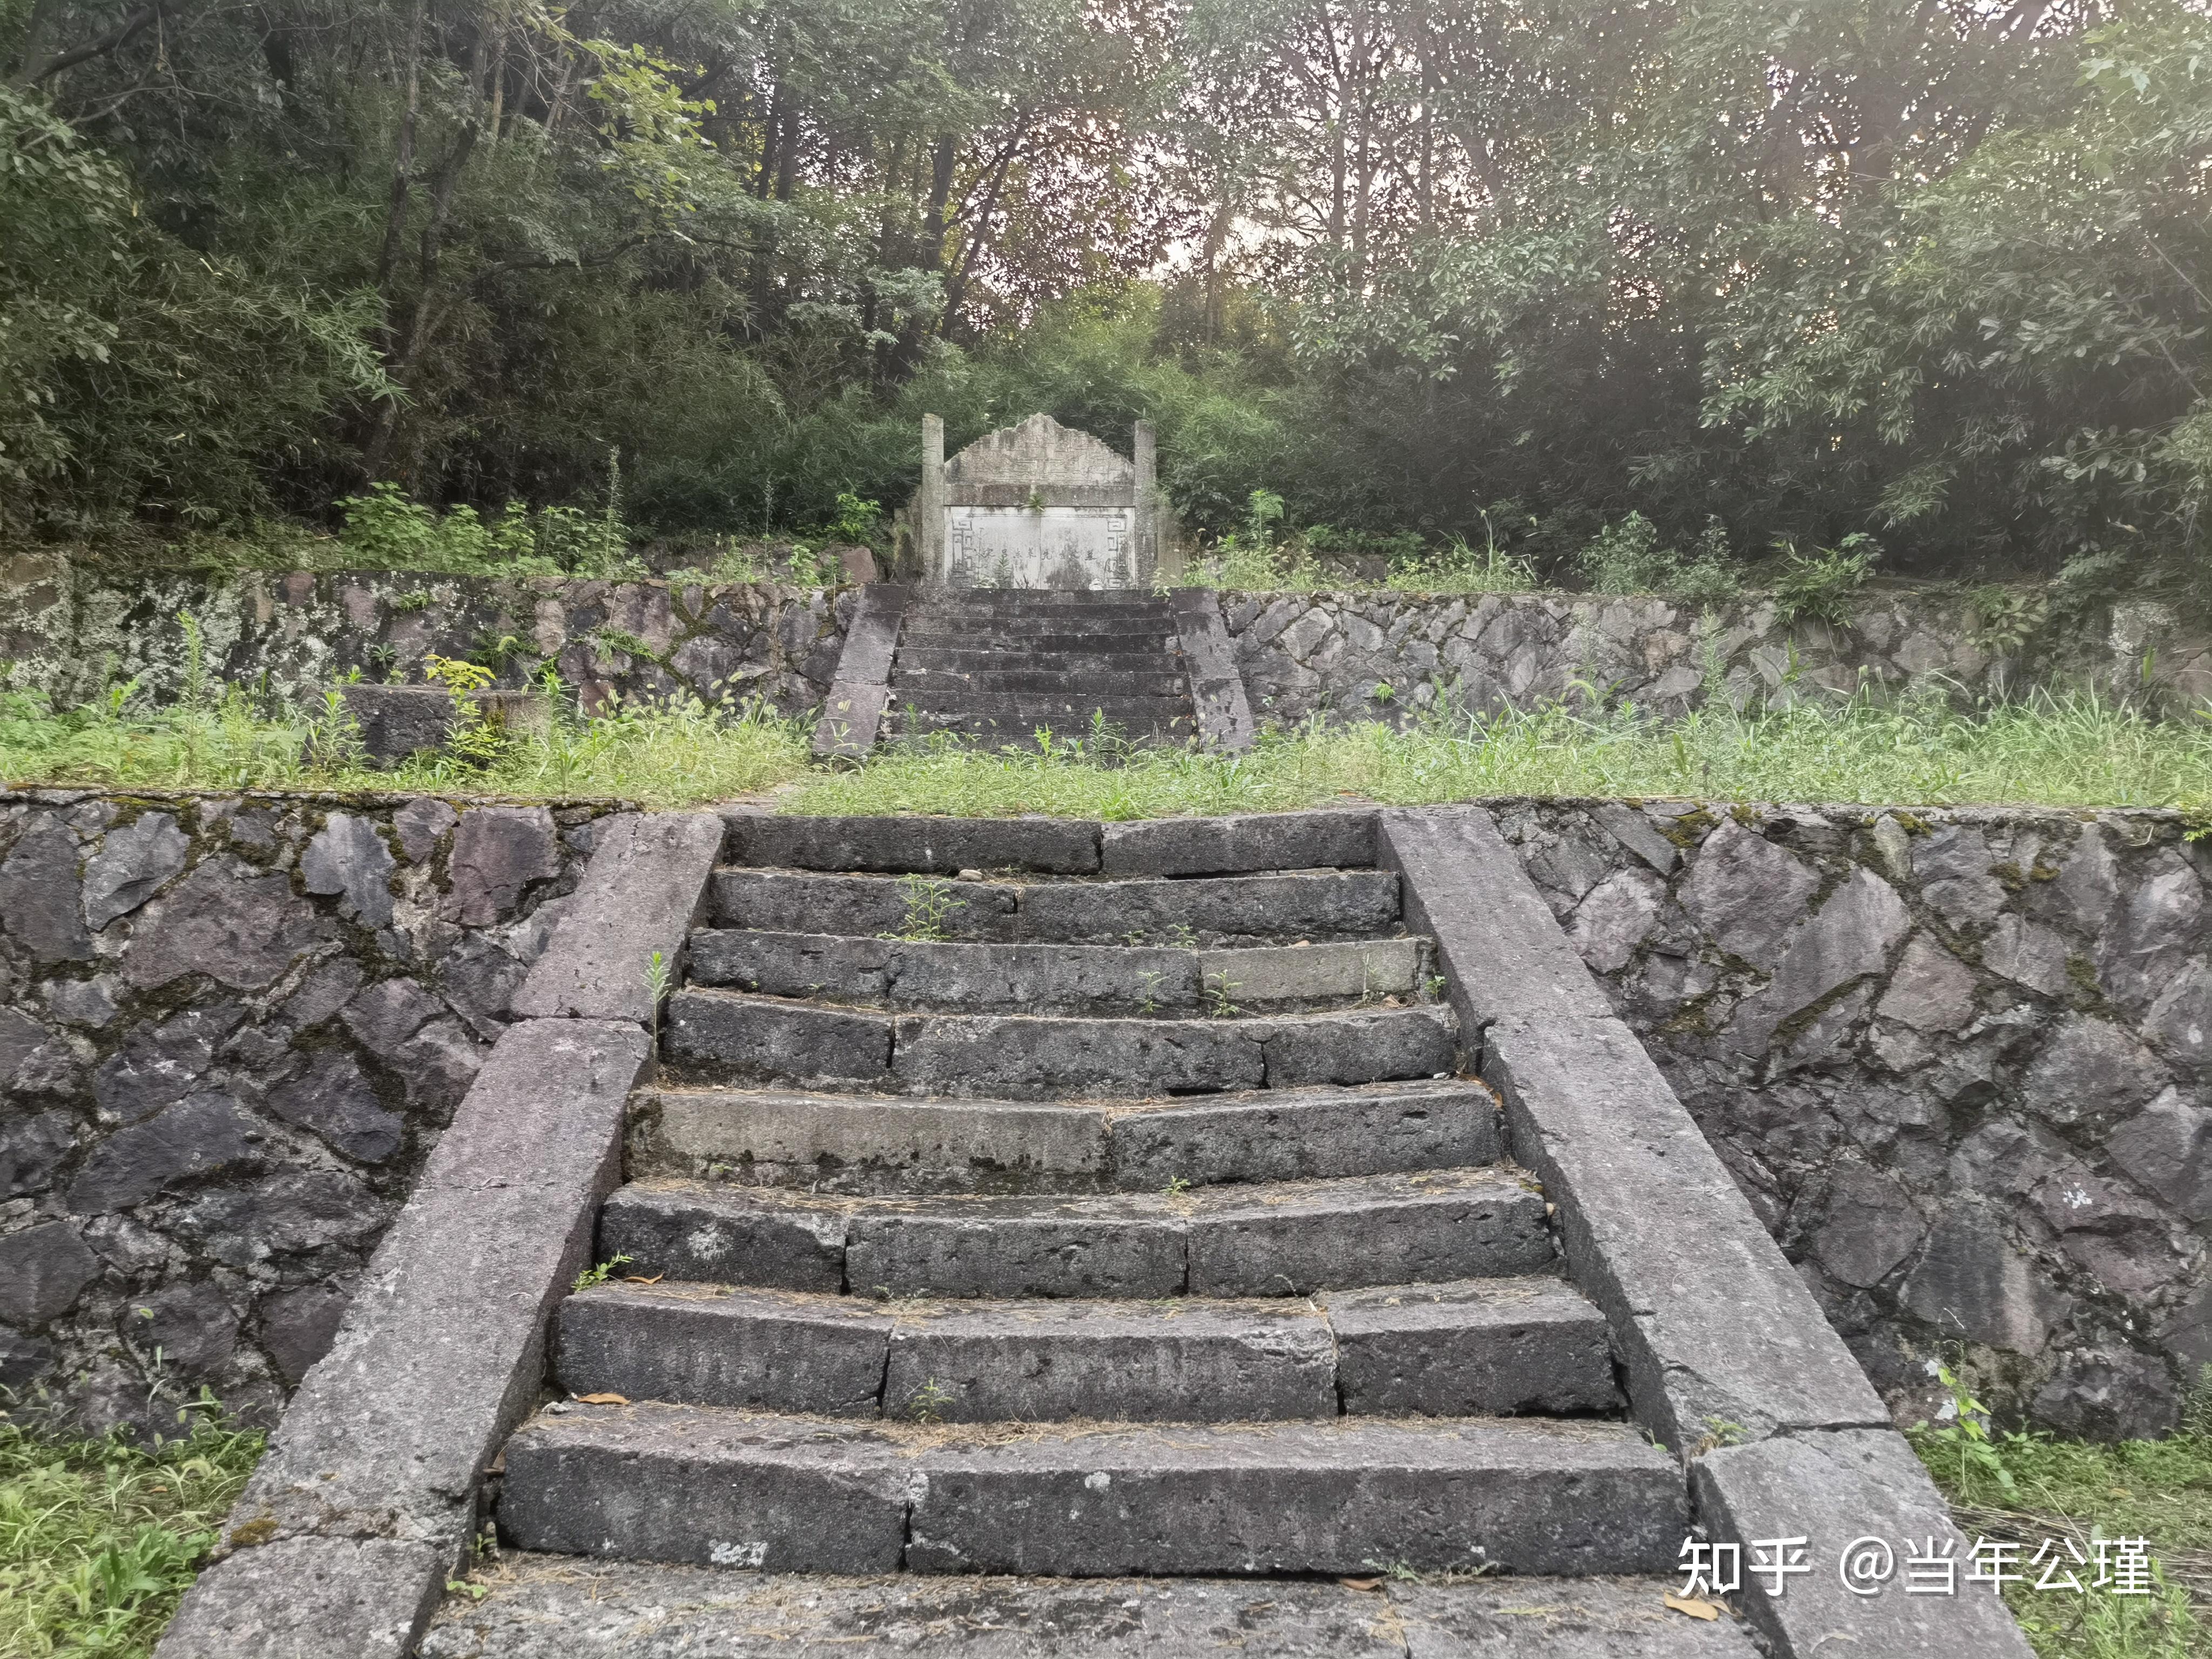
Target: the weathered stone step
pixel 1099 657
pixel 714 1036
pixel 1151 981
pixel 1289 1238
pixel 1494 1348
pixel 1321 906
pixel 1018 681
pixel 554 1607
pixel 677 1483
pixel 1050 631
pixel 867 1144
pixel 941 706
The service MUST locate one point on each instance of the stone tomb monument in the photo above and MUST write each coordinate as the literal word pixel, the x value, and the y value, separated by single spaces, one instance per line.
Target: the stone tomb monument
pixel 1037 506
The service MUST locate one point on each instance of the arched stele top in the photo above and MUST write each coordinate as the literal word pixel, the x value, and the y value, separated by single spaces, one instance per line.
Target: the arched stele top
pixel 1039 463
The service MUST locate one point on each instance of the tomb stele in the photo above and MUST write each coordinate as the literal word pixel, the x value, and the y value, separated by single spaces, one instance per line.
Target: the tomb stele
pixel 1037 506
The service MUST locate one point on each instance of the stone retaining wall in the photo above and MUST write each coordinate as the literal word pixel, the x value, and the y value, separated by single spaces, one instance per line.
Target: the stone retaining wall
pixel 71 635
pixel 1344 656
pixel 1960 1060
pixel 232 1027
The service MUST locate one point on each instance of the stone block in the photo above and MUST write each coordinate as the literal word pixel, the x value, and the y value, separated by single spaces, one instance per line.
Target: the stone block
pixel 721 1489
pixel 225 920
pixel 396 721
pixel 691 1344
pixel 866 906
pixel 347 856
pixel 1367 968
pixel 716 1033
pixel 860 1143
pixel 498 853
pixel 332 1598
pixel 1832 1488
pixel 930 846
pixel 1378 1229
pixel 1125 1361
pixel 43 1271
pixel 1477 1348
pixel 204 1133
pixel 1231 846
pixel 1275 906
pixel 1290 1134
pixel 725 1235
pixel 1009 1247
pixel 1362 1048
pixel 132 863
pixel 41 904
pixel 1032 1058
pixel 639 894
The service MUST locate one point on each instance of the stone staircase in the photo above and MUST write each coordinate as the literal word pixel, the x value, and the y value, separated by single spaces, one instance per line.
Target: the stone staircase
pixel 1013 1221
pixel 995 664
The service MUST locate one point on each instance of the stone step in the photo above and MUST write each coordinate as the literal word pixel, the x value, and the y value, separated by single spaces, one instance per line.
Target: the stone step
pixel 1146 657
pixel 981 632
pixel 558 1606
pixel 1495 1347
pixel 1037 705
pixel 1153 980
pixel 1040 599
pixel 717 1036
pixel 812 1494
pixel 1320 906
pixel 887 1145
pixel 1286 1238
pixel 1119 684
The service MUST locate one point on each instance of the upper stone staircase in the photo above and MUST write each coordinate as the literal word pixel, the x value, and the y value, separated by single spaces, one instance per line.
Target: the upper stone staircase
pixel 1019 1222
pixel 995 664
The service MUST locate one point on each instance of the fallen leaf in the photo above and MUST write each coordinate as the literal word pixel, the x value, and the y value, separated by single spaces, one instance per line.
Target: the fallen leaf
pixel 1361 1583
pixel 632 1278
pixel 603 1400
pixel 1692 1606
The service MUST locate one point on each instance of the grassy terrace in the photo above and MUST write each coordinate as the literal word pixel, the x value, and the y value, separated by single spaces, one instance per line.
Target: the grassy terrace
pixel 2071 750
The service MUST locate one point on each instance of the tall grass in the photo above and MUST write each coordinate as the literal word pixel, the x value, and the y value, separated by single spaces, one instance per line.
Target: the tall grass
pixel 99 1539
pixel 2070 751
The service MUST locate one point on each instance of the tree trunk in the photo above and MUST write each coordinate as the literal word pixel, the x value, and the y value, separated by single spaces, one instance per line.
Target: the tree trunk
pixel 419 321
pixel 403 161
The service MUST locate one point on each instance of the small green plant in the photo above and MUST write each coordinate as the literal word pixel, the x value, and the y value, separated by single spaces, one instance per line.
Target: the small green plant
pixel 1818 587
pixel 810 568
pixel 658 973
pixel 1626 557
pixel 600 1273
pixel 1176 1187
pixel 1459 568
pixel 927 1404
pixel 2007 618
pixel 928 901
pixel 1263 511
pixel 1434 987
pixel 1963 1438
pixel 1149 1002
pixel 420 599
pixel 856 520
pixel 1220 989
pixel 611 640
pixel 463 1587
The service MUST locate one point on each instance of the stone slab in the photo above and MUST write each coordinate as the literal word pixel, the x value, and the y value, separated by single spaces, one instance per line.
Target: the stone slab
pixel 1128 1246
pixel 1475 1348
pixel 1315 972
pixel 852 712
pixel 718 1034
pixel 559 1608
pixel 1832 1488
pixel 728 1489
pixel 1708 1318
pixel 1217 689
pixel 639 894
pixel 864 1144
pixel 1336 838
pixel 309 1598
pixel 809 903
pixel 956 977
pixel 1019 1057
pixel 1380 1229
pixel 814 1494
pixel 693 1345
pixel 1292 1497
pixel 1267 905
pixel 1290 1134
pixel 723 1234
pixel 929 846
pixel 1160 1362
pixel 1363 1047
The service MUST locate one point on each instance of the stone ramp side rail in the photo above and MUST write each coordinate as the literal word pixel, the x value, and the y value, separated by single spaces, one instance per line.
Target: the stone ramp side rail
pixel 853 714
pixel 1729 1360
pixel 341 1545
pixel 1217 688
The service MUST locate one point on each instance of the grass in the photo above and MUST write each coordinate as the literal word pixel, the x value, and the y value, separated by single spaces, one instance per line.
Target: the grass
pixel 2074 750
pixel 99 1539
pixel 2026 1488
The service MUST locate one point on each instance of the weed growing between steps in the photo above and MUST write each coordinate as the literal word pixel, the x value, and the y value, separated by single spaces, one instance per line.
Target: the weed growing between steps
pixel 2074 750
pixel 99 1539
